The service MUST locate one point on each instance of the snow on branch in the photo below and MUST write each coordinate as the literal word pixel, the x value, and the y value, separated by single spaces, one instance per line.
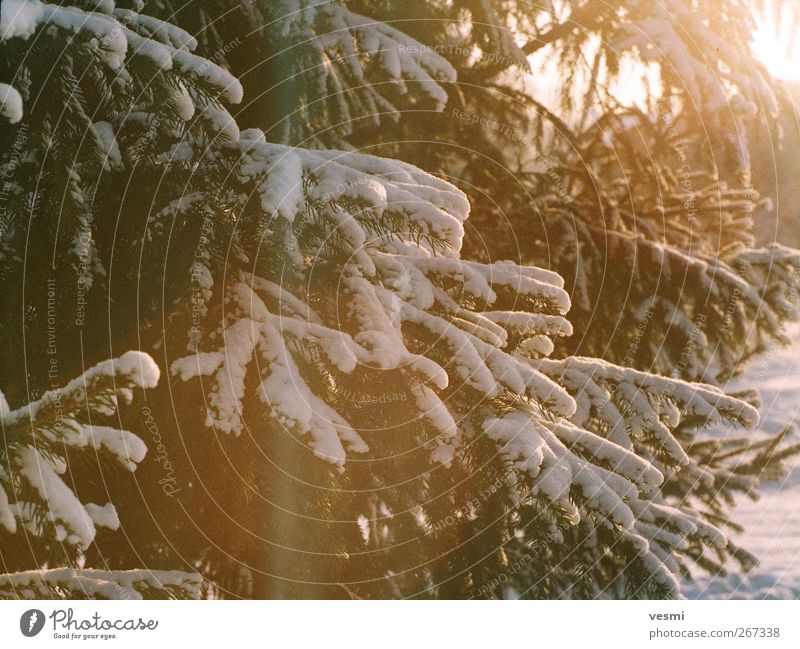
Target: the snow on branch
pixel 255 332
pixel 309 201
pixel 352 66
pixel 10 103
pixel 116 37
pixel 469 341
pixel 349 191
pixel 71 583
pixel 38 436
pixel 388 285
pixel 629 405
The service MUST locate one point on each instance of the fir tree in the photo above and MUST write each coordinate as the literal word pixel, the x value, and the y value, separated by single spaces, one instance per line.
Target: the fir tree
pixel 355 403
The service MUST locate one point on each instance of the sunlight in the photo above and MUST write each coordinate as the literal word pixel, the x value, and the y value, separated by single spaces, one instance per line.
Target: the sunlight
pixel 777 46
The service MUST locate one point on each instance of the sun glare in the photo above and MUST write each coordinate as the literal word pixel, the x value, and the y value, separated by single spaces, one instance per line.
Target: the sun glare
pixel 777 46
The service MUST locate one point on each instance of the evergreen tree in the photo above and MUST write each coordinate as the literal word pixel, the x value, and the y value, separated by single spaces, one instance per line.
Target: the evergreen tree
pixel 357 402
pixel 44 518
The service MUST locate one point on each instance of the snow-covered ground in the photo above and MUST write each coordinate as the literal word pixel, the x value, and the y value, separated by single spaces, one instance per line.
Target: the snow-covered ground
pixel 772 524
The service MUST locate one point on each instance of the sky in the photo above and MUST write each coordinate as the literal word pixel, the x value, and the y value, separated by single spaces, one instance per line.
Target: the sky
pixel 775 46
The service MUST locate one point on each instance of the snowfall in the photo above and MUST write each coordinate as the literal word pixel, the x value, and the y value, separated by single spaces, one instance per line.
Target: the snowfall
pixel 772 523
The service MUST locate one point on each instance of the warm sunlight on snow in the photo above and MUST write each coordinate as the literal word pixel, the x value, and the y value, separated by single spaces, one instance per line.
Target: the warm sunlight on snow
pixel 777 46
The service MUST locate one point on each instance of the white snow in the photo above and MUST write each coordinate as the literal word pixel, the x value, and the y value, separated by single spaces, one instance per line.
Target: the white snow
pixel 158 53
pixel 64 507
pixel 772 523
pixel 165 32
pixel 354 44
pixel 101 388
pixel 114 37
pixel 281 191
pixel 604 391
pixel 112 157
pixel 96 584
pixel 10 103
pixel 105 516
pixel 259 333
pixel 7 519
pixel 110 38
pixel 19 18
pixel 219 121
pixel 184 102
pixel 210 73
pixel 125 446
